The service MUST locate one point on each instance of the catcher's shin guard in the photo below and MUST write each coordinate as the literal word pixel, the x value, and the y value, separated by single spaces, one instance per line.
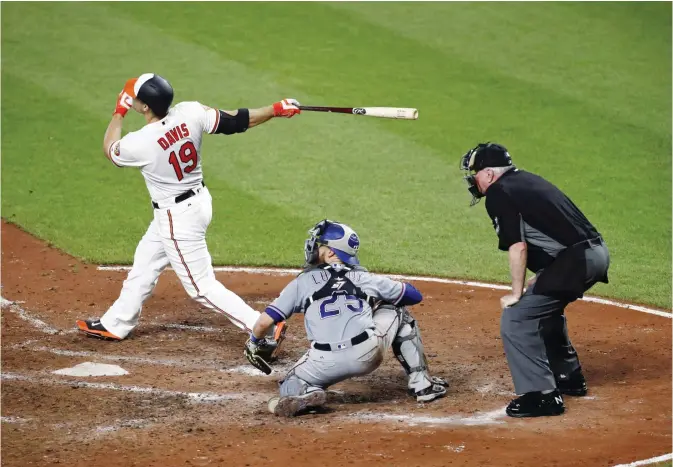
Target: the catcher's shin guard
pixel 408 348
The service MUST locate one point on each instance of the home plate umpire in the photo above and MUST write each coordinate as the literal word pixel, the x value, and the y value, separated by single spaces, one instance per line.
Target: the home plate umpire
pixel 545 232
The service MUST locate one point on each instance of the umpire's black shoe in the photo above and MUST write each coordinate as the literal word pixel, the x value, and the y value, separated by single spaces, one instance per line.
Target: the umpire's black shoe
pixel 536 404
pixel 573 384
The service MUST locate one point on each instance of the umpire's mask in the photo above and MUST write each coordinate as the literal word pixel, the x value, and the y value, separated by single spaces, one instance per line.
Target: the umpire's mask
pixel 340 238
pixel 478 158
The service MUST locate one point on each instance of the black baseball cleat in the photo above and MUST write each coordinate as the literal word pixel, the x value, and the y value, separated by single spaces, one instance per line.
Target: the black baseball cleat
pixel 573 384
pixel 94 328
pixel 440 381
pixel 536 404
pixel 432 392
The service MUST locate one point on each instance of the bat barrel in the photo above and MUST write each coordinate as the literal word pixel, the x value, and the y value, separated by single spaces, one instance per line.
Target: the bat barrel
pixel 402 113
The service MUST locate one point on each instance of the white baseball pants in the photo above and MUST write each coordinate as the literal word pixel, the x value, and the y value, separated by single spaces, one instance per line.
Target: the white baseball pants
pixel 176 236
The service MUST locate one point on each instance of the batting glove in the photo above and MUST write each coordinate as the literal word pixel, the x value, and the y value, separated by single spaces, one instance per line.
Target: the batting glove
pixel 125 98
pixel 286 108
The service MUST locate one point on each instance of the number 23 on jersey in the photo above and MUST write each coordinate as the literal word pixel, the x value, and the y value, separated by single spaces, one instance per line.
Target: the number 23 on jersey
pixel 332 306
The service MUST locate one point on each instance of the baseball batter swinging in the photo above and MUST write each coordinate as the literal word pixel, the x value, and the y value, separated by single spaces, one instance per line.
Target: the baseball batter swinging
pixel 351 318
pixel 167 150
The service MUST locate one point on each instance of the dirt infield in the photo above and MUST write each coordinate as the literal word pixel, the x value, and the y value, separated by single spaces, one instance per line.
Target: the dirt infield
pixel 190 399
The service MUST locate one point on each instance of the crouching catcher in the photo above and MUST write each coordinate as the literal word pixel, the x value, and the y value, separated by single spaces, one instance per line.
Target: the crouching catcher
pixel 351 316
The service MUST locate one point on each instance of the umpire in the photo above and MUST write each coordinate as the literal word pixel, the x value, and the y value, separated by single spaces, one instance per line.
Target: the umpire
pixel 545 232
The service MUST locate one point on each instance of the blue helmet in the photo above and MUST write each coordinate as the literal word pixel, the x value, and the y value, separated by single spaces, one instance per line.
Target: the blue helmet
pixel 340 238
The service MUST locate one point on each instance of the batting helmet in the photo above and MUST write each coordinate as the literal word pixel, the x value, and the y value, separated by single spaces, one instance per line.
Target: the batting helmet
pixel 340 238
pixel 154 91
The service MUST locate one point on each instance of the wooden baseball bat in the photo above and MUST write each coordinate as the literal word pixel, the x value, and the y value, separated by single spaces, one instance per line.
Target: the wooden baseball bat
pixel 381 112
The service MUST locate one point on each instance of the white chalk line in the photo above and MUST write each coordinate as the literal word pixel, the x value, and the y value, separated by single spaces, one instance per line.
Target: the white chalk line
pixel 653 460
pixel 212 397
pixel 132 423
pixel 288 272
pixel 591 299
pixel 122 358
pixel 14 419
pixel 494 417
pixel 192 396
pixel 188 327
pixel 487 418
pixel 183 363
pixel 24 315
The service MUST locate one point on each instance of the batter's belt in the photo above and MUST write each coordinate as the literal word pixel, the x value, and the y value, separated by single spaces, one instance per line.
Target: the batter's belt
pixel 180 198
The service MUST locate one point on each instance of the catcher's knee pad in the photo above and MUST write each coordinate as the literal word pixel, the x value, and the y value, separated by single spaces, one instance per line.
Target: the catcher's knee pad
pixel 293 386
pixel 407 345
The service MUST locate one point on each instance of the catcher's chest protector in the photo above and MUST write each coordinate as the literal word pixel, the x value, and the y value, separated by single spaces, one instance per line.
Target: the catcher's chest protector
pixel 338 284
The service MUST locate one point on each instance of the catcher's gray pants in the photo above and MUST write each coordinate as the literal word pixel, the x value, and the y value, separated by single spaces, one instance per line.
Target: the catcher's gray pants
pixel 319 369
pixel 535 334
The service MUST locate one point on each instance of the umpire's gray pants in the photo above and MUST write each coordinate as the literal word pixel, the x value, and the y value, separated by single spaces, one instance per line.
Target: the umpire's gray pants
pixel 535 333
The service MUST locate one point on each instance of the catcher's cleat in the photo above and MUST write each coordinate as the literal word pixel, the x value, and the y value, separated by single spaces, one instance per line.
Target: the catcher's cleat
pixel 279 331
pixel 93 328
pixel 289 406
pixel 432 392
pixel 573 384
pixel 536 404
pixel 440 381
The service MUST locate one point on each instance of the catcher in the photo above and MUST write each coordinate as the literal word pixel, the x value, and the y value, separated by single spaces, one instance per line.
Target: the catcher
pixel 352 317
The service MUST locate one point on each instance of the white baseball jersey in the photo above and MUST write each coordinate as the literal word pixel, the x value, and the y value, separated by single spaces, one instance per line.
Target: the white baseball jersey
pixel 168 152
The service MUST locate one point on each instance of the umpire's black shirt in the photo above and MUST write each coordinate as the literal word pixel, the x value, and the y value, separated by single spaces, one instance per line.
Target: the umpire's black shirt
pixel 526 207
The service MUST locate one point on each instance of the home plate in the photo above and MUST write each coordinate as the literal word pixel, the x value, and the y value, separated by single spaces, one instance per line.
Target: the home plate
pixel 92 369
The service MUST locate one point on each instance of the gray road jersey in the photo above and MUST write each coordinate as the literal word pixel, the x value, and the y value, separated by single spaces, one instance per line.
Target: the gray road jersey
pixel 337 317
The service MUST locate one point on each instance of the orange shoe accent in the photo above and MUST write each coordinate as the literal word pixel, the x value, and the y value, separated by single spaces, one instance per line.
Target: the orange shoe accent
pixel 96 333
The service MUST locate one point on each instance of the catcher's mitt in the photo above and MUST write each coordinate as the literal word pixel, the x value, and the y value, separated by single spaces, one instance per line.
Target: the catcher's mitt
pixel 260 353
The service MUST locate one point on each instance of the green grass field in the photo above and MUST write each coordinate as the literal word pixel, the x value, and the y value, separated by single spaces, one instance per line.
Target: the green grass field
pixel 579 92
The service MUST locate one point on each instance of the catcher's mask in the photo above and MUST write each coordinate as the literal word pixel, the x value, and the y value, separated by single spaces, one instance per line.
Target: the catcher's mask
pixel 340 238
pixel 478 158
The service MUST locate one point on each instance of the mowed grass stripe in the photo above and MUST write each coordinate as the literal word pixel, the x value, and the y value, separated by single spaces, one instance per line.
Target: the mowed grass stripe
pixel 537 117
pixel 399 189
pixel 583 50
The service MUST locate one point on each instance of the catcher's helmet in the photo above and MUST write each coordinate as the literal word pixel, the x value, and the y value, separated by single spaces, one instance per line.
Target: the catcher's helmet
pixel 478 158
pixel 340 238
pixel 154 91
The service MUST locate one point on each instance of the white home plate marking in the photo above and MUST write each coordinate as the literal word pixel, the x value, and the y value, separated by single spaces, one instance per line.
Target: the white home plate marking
pixel 193 396
pixel 488 418
pixel 92 369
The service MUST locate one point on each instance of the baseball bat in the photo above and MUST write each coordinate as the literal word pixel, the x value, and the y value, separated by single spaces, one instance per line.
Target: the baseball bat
pixel 381 112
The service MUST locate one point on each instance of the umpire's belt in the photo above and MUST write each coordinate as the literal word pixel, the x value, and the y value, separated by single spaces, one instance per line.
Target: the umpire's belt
pixel 596 241
pixel 359 339
pixel 178 199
